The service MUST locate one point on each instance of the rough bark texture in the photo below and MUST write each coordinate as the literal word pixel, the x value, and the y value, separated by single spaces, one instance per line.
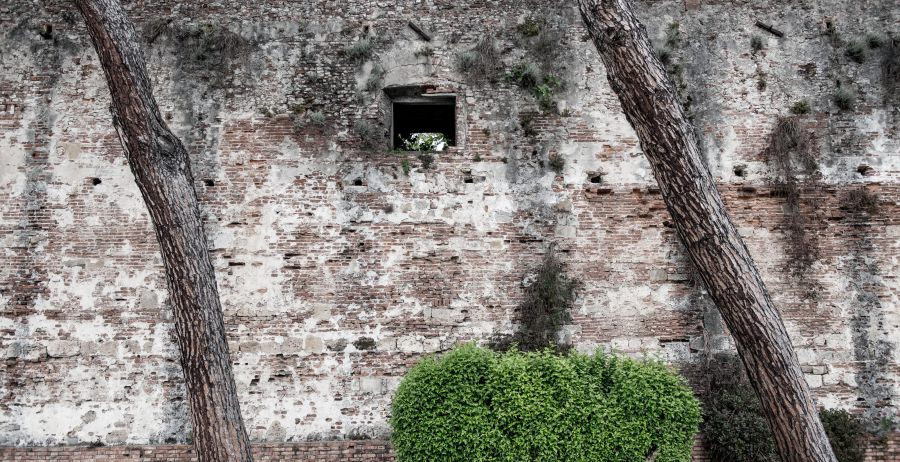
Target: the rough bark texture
pixel 649 101
pixel 162 171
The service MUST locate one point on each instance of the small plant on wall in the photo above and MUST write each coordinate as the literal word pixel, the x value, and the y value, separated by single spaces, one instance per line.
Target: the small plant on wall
pixel 544 309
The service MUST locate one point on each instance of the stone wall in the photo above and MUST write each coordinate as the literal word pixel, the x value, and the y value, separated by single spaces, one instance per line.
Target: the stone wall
pixel 338 270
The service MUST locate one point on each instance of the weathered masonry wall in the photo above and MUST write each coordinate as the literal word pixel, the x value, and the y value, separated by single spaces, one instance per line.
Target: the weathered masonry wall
pixel 338 270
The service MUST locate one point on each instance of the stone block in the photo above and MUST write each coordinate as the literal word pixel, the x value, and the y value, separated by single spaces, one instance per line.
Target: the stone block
pixel 63 348
pixel 313 344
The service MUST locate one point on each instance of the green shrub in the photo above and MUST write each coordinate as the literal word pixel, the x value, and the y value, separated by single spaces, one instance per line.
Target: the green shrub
pixel 800 107
pixel 846 434
pixel 473 405
pixel 734 424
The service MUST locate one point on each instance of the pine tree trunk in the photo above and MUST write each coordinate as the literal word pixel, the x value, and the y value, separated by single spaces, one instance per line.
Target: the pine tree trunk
pixel 649 101
pixel 161 169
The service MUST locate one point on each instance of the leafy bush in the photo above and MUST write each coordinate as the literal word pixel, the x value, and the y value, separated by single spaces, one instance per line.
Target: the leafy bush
pixel 846 434
pixel 475 405
pixel 733 420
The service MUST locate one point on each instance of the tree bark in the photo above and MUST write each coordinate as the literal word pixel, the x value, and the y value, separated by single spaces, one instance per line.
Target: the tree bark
pixel 161 169
pixel 649 100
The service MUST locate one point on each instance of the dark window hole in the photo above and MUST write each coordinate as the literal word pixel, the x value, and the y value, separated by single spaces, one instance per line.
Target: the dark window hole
pixel 425 114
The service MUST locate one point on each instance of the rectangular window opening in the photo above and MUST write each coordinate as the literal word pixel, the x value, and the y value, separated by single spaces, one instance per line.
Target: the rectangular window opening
pixel 417 119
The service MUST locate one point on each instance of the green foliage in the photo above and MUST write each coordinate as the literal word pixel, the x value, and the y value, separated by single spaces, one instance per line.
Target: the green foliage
pixel 209 51
pixel 529 76
pixel 875 40
pixel 371 137
pixel 529 28
pixel 664 55
pixel 673 35
pixel 375 78
pixel 473 405
pixel 733 421
pixel 800 107
pixel 883 429
pixel 756 43
pixel 359 51
pixel 424 52
pixel 544 309
pixel 426 159
pixel 557 163
pixel 406 166
pixel 856 50
pixel 846 434
pixel 526 75
pixel 316 118
pixel 526 121
pixel 424 142
pixel 844 99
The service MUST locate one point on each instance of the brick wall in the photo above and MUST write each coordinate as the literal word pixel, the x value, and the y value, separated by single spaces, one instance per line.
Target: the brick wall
pixel 337 270
pixel 320 451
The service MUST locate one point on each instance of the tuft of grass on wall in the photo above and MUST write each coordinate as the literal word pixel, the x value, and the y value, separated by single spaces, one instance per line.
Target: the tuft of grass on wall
pixel 557 163
pixel 856 51
pixel 481 62
pixel 316 118
pixel 756 43
pixel 844 99
pixel 800 107
pixel 359 51
pixel 370 135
